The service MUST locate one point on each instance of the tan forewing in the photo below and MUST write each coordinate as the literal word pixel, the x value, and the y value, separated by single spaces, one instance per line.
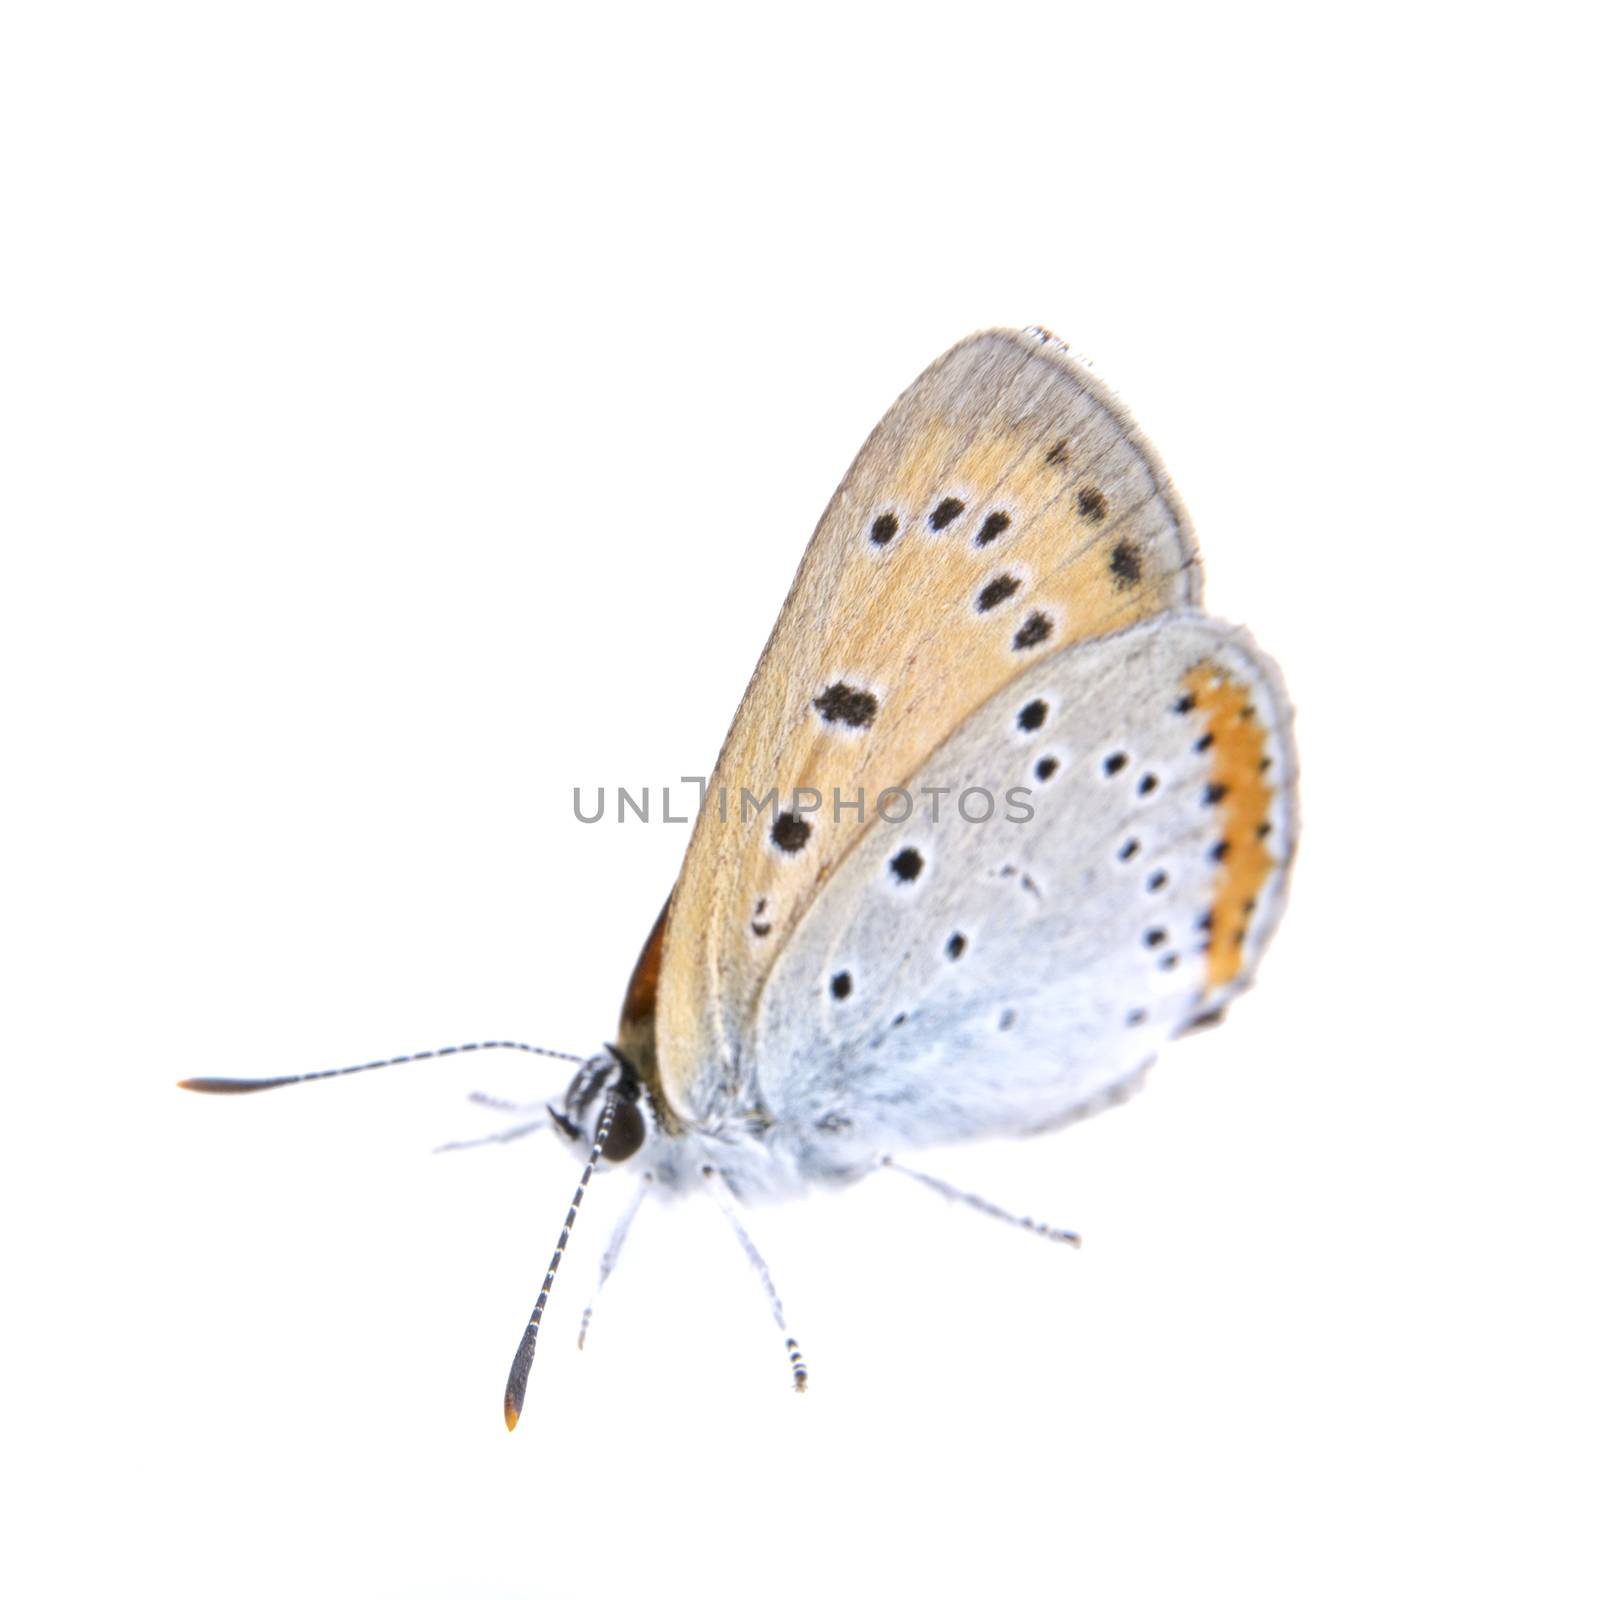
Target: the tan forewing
pixel 1003 509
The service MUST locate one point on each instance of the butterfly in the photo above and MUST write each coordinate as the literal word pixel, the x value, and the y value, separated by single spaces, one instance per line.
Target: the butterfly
pixel 1001 813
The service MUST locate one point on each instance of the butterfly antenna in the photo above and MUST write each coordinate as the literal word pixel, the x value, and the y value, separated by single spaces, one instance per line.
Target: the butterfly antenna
pixel 987 1207
pixel 517 1383
pixel 252 1085
pixel 608 1261
pixel 720 1192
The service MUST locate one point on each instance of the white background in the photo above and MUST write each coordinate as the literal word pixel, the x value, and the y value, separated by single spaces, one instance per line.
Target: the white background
pixel 411 412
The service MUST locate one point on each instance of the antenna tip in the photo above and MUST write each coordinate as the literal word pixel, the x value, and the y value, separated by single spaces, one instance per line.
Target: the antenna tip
pixel 513 1411
pixel 231 1085
pixel 797 1365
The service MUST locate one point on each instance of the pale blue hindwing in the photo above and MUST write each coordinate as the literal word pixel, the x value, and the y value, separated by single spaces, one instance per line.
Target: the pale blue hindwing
pixel 1026 973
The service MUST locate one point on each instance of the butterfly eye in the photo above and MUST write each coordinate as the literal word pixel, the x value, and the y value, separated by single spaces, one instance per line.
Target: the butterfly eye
pixel 627 1132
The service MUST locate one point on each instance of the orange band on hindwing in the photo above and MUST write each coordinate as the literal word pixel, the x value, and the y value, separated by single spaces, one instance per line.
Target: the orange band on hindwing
pixel 1239 763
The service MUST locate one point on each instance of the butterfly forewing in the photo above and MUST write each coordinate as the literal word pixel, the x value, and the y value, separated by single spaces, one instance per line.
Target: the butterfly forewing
pixel 1004 509
pixel 967 977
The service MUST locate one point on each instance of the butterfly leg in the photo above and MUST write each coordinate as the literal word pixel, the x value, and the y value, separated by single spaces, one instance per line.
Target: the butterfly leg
pixel 608 1261
pixel 495 1102
pixel 978 1203
pixel 520 1131
pixel 718 1185
pixel 541 1119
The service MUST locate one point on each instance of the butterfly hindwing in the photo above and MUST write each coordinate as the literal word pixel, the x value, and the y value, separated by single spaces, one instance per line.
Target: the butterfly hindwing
pixel 1027 970
pixel 1004 509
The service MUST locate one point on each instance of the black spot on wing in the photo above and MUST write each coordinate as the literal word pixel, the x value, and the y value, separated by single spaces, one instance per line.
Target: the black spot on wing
pixel 1033 632
pixel 1126 564
pixel 998 590
pixel 994 525
pixel 790 831
pixel 906 865
pixel 1031 717
pixel 841 703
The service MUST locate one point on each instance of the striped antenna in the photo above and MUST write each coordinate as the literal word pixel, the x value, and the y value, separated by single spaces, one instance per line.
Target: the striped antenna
pixel 252 1085
pixel 517 1383
pixel 720 1192
pixel 987 1207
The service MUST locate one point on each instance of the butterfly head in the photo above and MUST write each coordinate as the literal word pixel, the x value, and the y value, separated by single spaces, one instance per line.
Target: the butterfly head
pixel 578 1115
